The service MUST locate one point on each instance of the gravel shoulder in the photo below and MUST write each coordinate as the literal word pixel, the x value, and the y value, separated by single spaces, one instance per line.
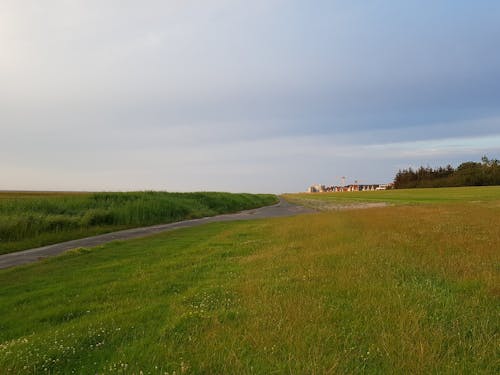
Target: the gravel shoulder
pixel 324 205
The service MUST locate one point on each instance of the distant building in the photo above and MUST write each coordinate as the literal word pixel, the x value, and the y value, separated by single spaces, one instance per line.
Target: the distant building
pixel 317 188
pixel 311 189
pixel 385 186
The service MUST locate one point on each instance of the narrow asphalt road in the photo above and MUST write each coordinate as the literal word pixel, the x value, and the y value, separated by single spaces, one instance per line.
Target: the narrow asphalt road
pixel 283 208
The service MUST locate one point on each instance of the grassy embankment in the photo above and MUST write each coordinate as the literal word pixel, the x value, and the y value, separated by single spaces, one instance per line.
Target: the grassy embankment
pixel 401 289
pixel 34 219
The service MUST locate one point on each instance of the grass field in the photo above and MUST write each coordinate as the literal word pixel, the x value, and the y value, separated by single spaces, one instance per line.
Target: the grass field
pixel 401 289
pixel 33 219
pixel 407 196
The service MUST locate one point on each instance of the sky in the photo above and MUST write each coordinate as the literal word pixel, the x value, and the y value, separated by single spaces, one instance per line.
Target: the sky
pixel 230 95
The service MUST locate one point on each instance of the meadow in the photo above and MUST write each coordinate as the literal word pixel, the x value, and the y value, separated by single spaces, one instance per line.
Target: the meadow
pixel 399 289
pixel 32 219
pixel 406 196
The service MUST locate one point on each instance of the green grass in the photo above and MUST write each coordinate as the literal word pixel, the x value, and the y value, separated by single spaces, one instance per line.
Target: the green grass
pixel 406 196
pixel 35 219
pixel 403 289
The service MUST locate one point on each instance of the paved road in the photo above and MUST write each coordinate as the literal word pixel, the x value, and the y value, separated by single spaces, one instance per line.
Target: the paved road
pixel 283 208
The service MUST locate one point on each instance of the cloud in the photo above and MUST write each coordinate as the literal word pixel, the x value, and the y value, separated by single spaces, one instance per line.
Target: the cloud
pixel 267 95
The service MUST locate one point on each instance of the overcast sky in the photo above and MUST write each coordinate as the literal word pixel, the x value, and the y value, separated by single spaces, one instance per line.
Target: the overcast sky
pixel 259 96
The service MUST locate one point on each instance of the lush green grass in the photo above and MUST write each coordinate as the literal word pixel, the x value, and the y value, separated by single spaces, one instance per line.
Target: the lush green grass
pixel 34 219
pixel 407 196
pixel 404 289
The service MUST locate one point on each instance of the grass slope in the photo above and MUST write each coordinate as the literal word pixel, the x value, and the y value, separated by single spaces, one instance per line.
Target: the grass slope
pixel 34 219
pixel 405 289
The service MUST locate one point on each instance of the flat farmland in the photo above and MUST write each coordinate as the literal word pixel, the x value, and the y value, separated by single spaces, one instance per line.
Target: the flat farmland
pixel 406 288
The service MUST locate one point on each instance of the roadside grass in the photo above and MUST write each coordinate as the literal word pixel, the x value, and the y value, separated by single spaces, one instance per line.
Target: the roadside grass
pixel 474 194
pixel 404 289
pixel 32 219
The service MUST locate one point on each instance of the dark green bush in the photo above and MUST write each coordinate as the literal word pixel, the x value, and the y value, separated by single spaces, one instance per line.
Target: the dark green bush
pixel 97 216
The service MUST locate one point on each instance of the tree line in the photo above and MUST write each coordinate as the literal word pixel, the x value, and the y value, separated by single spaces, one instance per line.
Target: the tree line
pixel 486 172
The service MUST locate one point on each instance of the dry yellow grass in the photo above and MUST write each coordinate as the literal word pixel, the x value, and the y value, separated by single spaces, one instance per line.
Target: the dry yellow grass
pixel 397 289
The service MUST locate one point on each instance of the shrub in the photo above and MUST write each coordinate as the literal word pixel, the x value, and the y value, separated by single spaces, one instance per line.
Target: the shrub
pixel 97 216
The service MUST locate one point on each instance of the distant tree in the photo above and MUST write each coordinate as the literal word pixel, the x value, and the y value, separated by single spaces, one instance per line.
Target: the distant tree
pixel 466 174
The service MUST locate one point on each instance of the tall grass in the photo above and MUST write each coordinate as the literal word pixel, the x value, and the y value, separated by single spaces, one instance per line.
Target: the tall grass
pixel 28 220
